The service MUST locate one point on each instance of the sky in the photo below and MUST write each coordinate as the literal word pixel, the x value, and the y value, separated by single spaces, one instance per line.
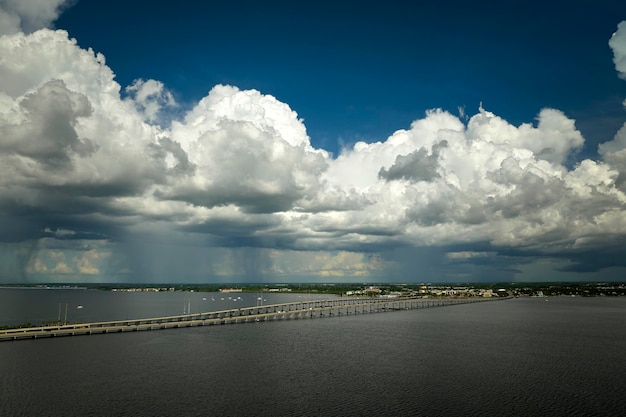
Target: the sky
pixel 283 141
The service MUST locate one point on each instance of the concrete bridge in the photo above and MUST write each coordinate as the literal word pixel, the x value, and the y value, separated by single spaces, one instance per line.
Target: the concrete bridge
pixel 295 310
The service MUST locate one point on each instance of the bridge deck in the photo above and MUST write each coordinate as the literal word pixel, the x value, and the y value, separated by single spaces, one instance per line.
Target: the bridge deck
pixel 295 310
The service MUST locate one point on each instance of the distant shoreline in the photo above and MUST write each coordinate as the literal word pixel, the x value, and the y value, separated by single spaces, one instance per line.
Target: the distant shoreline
pixel 461 290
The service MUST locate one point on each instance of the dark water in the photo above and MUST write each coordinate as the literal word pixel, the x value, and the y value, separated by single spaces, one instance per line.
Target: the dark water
pixel 521 357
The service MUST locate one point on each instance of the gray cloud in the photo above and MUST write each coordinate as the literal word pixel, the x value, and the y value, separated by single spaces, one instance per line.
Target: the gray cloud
pixel 416 166
pixel 47 134
pixel 30 15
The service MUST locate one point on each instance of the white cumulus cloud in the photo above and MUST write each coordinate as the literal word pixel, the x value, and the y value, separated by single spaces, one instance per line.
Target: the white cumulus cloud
pixel 618 45
pixel 615 151
pixel 248 150
pixel 150 97
pixel 81 163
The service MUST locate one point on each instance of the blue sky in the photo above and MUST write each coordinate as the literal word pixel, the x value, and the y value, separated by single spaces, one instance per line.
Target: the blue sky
pixel 358 70
pixel 203 141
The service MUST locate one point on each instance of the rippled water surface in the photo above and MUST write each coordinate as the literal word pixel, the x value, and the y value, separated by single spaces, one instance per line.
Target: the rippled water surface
pixel 516 357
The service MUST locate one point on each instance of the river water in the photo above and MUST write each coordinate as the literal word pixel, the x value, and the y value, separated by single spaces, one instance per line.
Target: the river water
pixel 520 357
pixel 36 305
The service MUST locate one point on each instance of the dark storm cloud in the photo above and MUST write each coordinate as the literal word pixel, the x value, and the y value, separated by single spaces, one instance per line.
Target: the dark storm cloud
pixel 249 199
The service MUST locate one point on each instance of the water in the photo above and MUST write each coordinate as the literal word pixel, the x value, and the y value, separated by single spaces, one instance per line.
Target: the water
pixel 36 305
pixel 520 357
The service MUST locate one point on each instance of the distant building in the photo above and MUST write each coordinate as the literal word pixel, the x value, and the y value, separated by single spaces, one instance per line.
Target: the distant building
pixel 372 290
pixel 231 289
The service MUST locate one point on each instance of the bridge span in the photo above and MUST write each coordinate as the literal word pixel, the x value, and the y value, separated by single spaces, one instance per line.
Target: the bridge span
pixel 285 311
